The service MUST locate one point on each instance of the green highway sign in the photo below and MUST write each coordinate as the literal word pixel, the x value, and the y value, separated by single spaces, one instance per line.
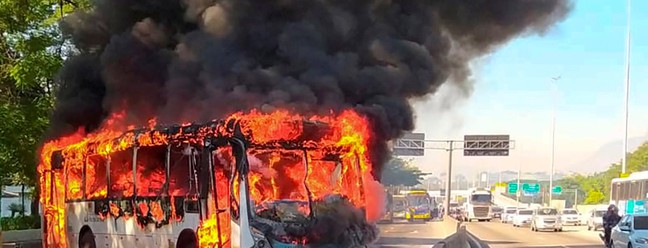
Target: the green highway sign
pixel 557 190
pixel 512 188
pixel 531 188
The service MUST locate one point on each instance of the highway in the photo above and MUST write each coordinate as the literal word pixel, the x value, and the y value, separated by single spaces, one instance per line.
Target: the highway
pixel 418 234
pixel 495 234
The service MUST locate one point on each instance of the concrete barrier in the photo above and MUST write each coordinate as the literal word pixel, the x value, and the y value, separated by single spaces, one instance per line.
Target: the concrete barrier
pixel 30 238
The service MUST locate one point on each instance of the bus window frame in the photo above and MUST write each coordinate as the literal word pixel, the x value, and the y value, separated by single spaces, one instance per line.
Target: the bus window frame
pixel 133 153
pixel 66 173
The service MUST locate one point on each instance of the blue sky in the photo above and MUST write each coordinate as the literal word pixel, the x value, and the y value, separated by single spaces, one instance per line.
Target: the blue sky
pixel 512 94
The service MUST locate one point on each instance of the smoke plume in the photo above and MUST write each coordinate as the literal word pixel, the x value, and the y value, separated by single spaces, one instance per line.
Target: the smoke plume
pixel 197 60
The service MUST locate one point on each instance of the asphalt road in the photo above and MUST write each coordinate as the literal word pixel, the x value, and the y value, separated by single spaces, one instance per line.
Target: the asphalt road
pixel 495 234
pixel 500 235
pixel 418 234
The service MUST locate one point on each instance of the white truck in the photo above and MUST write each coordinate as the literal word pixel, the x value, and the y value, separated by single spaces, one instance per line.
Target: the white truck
pixel 478 206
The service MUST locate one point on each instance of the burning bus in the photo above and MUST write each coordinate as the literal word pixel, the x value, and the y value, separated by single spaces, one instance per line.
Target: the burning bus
pixel 250 180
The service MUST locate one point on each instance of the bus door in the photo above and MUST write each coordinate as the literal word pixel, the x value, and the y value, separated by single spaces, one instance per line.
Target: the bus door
pixel 53 199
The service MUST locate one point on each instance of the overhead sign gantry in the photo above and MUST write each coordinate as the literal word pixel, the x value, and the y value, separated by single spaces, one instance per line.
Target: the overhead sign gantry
pixel 473 145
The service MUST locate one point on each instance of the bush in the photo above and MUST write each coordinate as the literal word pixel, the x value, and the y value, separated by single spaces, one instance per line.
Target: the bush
pixel 20 222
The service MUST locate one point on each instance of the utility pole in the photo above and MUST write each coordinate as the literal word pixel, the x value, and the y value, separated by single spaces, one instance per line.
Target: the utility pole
pixel 449 179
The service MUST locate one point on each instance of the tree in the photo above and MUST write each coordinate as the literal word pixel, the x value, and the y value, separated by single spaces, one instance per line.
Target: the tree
pixel 597 185
pixel 31 53
pixel 401 172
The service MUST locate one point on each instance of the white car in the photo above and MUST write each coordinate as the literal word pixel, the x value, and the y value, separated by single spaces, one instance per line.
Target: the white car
pixel 632 231
pixel 508 214
pixel 546 219
pixel 522 217
pixel 570 216
pixel 595 219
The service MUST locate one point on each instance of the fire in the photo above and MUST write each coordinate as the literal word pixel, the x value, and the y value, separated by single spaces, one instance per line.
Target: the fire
pixel 275 173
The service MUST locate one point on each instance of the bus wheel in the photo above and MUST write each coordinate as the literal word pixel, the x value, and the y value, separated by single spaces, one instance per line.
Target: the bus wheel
pixel 87 240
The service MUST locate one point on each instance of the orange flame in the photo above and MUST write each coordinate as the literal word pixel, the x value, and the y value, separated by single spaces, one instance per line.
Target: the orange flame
pixel 276 173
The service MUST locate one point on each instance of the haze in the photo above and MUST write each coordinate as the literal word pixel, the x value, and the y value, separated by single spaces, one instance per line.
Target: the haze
pixel 512 95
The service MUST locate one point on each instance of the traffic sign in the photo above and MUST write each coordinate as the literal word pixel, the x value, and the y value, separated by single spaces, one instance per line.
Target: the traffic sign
pixel 531 188
pixel 512 188
pixel 411 144
pixel 557 190
pixel 487 145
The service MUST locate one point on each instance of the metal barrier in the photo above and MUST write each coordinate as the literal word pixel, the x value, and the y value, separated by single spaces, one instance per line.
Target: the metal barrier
pixel 460 239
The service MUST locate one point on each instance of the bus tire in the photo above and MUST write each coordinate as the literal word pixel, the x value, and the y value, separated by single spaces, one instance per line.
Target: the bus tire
pixel 187 239
pixel 87 240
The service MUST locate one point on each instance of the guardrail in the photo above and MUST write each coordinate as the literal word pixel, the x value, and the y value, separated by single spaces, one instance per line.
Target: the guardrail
pixel 461 238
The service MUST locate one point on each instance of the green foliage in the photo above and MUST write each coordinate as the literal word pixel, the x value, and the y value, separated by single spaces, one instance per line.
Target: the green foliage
pixel 31 48
pixel 594 197
pixel 597 185
pixel 401 172
pixel 20 222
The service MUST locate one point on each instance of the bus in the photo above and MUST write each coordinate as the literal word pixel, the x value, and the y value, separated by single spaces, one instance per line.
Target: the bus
pixel 218 184
pixel 420 205
pixel 630 193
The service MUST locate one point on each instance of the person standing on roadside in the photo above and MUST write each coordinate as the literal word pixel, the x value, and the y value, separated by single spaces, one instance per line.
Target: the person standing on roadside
pixel 610 219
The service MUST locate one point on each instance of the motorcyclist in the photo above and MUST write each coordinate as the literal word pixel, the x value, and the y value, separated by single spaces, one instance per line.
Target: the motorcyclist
pixel 610 219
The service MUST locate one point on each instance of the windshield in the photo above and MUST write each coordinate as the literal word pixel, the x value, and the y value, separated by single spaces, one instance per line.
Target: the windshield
pixel 511 211
pixel 641 222
pixel 400 204
pixel 525 212
pixel 599 213
pixel 547 211
pixel 418 200
pixel 481 198
pixel 570 211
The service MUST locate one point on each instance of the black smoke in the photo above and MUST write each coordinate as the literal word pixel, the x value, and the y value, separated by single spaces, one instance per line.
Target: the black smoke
pixel 195 60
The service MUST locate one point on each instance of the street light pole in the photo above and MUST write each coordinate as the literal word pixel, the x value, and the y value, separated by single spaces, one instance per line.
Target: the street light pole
pixel 553 136
pixel 627 93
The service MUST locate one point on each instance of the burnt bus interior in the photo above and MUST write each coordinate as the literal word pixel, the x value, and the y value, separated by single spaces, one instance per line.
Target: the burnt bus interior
pixel 159 183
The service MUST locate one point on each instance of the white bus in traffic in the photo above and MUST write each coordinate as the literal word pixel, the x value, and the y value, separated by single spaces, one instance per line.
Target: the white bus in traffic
pixel 630 193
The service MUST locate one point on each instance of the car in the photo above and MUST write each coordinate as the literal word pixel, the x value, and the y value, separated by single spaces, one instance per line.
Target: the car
pixel 399 207
pixel 632 231
pixel 570 216
pixel 496 212
pixel 595 219
pixel 522 217
pixel 546 219
pixel 508 214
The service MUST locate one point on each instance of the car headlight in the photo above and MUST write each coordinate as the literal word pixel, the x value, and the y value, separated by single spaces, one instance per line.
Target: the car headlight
pixel 259 238
pixel 642 241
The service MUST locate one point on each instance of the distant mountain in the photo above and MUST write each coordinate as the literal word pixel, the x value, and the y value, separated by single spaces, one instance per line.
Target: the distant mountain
pixel 606 155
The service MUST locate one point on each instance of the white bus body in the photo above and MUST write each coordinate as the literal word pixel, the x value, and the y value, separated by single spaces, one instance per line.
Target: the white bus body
pixel 630 194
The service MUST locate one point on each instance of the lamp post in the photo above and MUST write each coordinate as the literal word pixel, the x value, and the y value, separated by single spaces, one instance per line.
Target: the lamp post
pixel 626 96
pixel 553 135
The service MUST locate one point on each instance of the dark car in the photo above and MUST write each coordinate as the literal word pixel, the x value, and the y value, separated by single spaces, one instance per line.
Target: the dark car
pixel 497 212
